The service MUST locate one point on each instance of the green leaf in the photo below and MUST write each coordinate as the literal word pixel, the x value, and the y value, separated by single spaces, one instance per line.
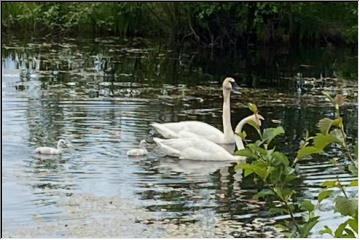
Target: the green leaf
pixel 346 207
pixel 354 183
pixel 270 133
pixel 280 158
pixel 242 134
pixel 253 108
pixel 263 193
pixel 307 205
pixel 246 153
pixel 307 151
pixel 353 169
pixel 322 140
pixel 253 124
pixel 340 230
pixel 324 194
pixel 353 223
pixel 327 230
pixel 330 183
pixel 308 226
pixel 325 124
pixel 338 134
pixel 350 234
pixel 284 193
pixel 281 226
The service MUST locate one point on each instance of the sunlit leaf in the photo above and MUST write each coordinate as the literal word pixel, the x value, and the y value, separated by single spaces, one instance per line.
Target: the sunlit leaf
pixel 242 134
pixel 330 183
pixel 307 151
pixel 324 194
pixel 270 133
pixel 354 183
pixel 284 193
pixel 353 223
pixel 346 207
pixel 322 140
pixel 253 124
pixel 307 205
pixel 281 226
pixel 338 122
pixel 247 167
pixel 325 124
pixel 246 153
pixel 328 230
pixel 253 108
pixel 339 231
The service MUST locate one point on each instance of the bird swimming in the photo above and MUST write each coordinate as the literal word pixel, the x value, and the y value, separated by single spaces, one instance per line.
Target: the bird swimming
pixel 171 130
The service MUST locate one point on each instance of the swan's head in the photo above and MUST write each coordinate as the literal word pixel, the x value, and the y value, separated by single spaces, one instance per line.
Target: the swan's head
pixel 142 143
pixel 63 143
pixel 229 84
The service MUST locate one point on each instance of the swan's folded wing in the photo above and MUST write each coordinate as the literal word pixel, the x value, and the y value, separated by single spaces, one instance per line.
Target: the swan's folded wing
pixel 167 148
pixel 163 130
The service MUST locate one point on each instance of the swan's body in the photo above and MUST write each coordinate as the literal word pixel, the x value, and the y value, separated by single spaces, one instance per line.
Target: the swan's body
pixel 193 147
pixel 172 130
pixel 138 151
pixel 50 150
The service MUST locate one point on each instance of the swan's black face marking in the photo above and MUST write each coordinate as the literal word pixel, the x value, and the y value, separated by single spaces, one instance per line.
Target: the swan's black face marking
pixel 235 86
pixel 228 84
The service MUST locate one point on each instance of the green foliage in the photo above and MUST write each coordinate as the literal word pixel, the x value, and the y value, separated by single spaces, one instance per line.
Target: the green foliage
pixel 270 133
pixel 273 168
pixel 324 194
pixel 209 24
pixel 345 206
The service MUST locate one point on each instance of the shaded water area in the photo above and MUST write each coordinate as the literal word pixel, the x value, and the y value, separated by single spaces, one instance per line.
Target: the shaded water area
pixel 102 94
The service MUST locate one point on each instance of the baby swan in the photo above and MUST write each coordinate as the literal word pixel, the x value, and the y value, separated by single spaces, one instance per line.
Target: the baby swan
pixel 50 150
pixel 138 151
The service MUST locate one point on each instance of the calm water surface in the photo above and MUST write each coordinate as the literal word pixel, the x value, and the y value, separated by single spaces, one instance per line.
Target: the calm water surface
pixel 102 94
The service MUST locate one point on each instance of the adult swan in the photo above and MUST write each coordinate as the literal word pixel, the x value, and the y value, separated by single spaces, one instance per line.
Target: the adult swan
pixel 193 147
pixel 172 130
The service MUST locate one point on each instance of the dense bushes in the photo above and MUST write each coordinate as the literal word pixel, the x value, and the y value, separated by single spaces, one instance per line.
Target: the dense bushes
pixel 209 24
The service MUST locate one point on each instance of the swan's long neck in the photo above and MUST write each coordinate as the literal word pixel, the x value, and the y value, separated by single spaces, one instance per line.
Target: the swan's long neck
pixel 238 129
pixel 59 145
pixel 228 132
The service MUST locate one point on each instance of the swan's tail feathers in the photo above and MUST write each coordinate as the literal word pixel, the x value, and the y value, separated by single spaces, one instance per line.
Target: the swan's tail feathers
pixel 164 131
pixel 161 143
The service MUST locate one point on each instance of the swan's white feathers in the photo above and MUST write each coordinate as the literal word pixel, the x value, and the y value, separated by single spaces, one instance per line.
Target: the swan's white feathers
pixel 172 130
pixel 194 148
pixel 137 152
pixel 47 150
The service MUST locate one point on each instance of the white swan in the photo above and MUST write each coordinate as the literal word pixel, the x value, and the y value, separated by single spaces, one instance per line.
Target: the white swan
pixel 171 130
pixel 52 151
pixel 138 151
pixel 193 147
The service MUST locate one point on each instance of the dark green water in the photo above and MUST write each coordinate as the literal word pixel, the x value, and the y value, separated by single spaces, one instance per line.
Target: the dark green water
pixel 102 94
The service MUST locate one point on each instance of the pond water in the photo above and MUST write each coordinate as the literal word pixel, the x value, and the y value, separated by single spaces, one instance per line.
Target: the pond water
pixel 102 94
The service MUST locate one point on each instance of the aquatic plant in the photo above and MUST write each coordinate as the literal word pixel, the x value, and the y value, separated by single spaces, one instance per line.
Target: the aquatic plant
pixel 278 175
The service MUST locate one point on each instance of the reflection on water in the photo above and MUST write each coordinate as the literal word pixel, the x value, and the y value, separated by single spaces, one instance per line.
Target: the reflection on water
pixel 102 96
